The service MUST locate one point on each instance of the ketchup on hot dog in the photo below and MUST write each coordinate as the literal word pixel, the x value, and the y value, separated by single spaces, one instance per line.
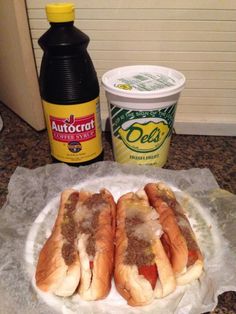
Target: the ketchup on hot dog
pixel 150 273
pixel 139 250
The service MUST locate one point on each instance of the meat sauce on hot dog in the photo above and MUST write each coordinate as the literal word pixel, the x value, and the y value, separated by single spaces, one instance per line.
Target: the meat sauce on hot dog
pixel 80 246
pixel 183 224
pixel 181 245
pixel 142 269
pixel 139 251
pixel 88 221
pixel 69 230
pixel 88 224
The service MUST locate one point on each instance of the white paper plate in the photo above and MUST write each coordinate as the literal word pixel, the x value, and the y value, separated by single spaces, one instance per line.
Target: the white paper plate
pixel 184 300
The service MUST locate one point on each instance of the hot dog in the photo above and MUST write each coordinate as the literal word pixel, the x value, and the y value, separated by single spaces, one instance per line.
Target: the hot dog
pixel 142 269
pixel 178 238
pixel 78 256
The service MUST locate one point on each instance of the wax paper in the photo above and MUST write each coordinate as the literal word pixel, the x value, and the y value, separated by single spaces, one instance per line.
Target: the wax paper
pixel 31 207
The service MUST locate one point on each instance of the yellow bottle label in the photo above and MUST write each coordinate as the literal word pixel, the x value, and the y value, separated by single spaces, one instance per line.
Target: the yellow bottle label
pixel 74 131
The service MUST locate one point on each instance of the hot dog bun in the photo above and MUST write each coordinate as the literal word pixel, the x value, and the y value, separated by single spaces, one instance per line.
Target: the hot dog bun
pixel 137 224
pixel 65 262
pixel 95 283
pixel 178 239
pixel 52 273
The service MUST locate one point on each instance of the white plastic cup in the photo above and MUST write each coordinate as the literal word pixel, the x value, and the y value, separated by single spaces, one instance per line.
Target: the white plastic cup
pixel 142 101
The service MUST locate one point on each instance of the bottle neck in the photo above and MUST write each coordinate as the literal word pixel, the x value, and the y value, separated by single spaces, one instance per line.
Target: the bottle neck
pixel 62 24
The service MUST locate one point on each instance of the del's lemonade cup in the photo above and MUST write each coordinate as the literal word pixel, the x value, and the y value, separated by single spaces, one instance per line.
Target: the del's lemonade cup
pixel 142 102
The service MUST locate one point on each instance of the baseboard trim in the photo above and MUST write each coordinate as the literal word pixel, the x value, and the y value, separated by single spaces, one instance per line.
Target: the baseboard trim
pixel 205 128
pixel 193 128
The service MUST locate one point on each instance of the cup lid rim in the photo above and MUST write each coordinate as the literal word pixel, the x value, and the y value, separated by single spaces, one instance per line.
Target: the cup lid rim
pixel 110 78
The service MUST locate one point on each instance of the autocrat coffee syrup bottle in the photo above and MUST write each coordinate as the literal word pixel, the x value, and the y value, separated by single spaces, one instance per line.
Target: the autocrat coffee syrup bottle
pixel 70 90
